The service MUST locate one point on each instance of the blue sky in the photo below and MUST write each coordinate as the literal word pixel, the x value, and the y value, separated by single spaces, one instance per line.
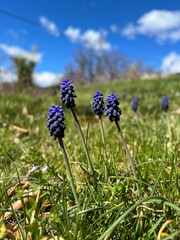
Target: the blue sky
pixel 144 29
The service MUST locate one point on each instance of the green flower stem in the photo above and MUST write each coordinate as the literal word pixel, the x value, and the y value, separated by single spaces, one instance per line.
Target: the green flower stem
pixel 168 126
pixel 139 125
pixel 129 156
pixel 69 174
pixel 83 140
pixel 104 146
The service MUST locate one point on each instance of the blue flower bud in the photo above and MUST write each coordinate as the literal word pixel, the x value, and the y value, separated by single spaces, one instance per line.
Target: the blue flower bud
pixel 112 110
pixel 55 121
pixel 134 105
pixel 164 103
pixel 67 93
pixel 98 103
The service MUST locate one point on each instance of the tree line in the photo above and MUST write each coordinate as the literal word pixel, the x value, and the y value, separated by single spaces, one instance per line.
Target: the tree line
pixel 94 67
pixel 87 66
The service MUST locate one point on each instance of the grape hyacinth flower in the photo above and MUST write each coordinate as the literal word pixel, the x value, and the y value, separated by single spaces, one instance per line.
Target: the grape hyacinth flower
pixel 67 95
pixel 98 103
pixel 56 126
pixel 134 105
pixel 55 121
pixel 113 112
pixel 98 109
pixel 165 107
pixel 164 103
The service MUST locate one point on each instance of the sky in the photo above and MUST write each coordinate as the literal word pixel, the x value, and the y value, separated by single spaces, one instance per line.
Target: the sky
pixel 50 31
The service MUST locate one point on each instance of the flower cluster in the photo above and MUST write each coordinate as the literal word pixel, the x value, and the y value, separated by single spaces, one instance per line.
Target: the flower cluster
pixel 98 103
pixel 67 93
pixel 55 121
pixel 164 103
pixel 56 126
pixel 112 110
pixel 134 104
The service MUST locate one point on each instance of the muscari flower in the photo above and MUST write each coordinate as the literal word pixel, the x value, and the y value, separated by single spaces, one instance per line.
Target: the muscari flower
pixel 67 96
pixel 134 104
pixel 55 121
pixel 112 110
pixel 98 103
pixel 164 103
pixel 67 93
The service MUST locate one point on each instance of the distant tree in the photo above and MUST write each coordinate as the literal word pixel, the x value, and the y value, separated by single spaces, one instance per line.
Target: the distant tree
pixel 25 69
pixel 84 67
pixel 81 63
pixel 151 71
pixel 134 70
pixel 114 65
pixel 70 71
pixel 102 66
pixel 92 66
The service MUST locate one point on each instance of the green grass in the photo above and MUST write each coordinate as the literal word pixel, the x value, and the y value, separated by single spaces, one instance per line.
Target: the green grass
pixel 110 209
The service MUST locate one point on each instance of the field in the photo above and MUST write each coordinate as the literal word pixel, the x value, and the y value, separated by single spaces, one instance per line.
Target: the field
pixel 40 204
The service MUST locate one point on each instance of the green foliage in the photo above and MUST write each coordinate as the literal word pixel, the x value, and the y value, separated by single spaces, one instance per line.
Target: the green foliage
pixel 110 209
pixel 24 70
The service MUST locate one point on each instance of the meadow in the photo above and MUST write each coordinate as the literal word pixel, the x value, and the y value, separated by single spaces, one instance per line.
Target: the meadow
pixel 36 197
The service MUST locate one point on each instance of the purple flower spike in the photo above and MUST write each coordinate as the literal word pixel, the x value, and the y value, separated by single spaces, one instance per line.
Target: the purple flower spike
pixel 112 110
pixel 134 105
pixel 67 93
pixel 164 103
pixel 55 121
pixel 98 103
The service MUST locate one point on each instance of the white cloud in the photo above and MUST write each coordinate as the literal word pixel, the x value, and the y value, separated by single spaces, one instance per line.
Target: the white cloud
pixel 16 33
pixel 162 24
pixel 18 52
pixel 90 38
pixel 7 76
pixel 42 79
pixel 130 31
pixel 49 26
pixel 171 63
pixel 95 40
pixel 46 79
pixel 114 28
pixel 13 33
pixel 73 33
